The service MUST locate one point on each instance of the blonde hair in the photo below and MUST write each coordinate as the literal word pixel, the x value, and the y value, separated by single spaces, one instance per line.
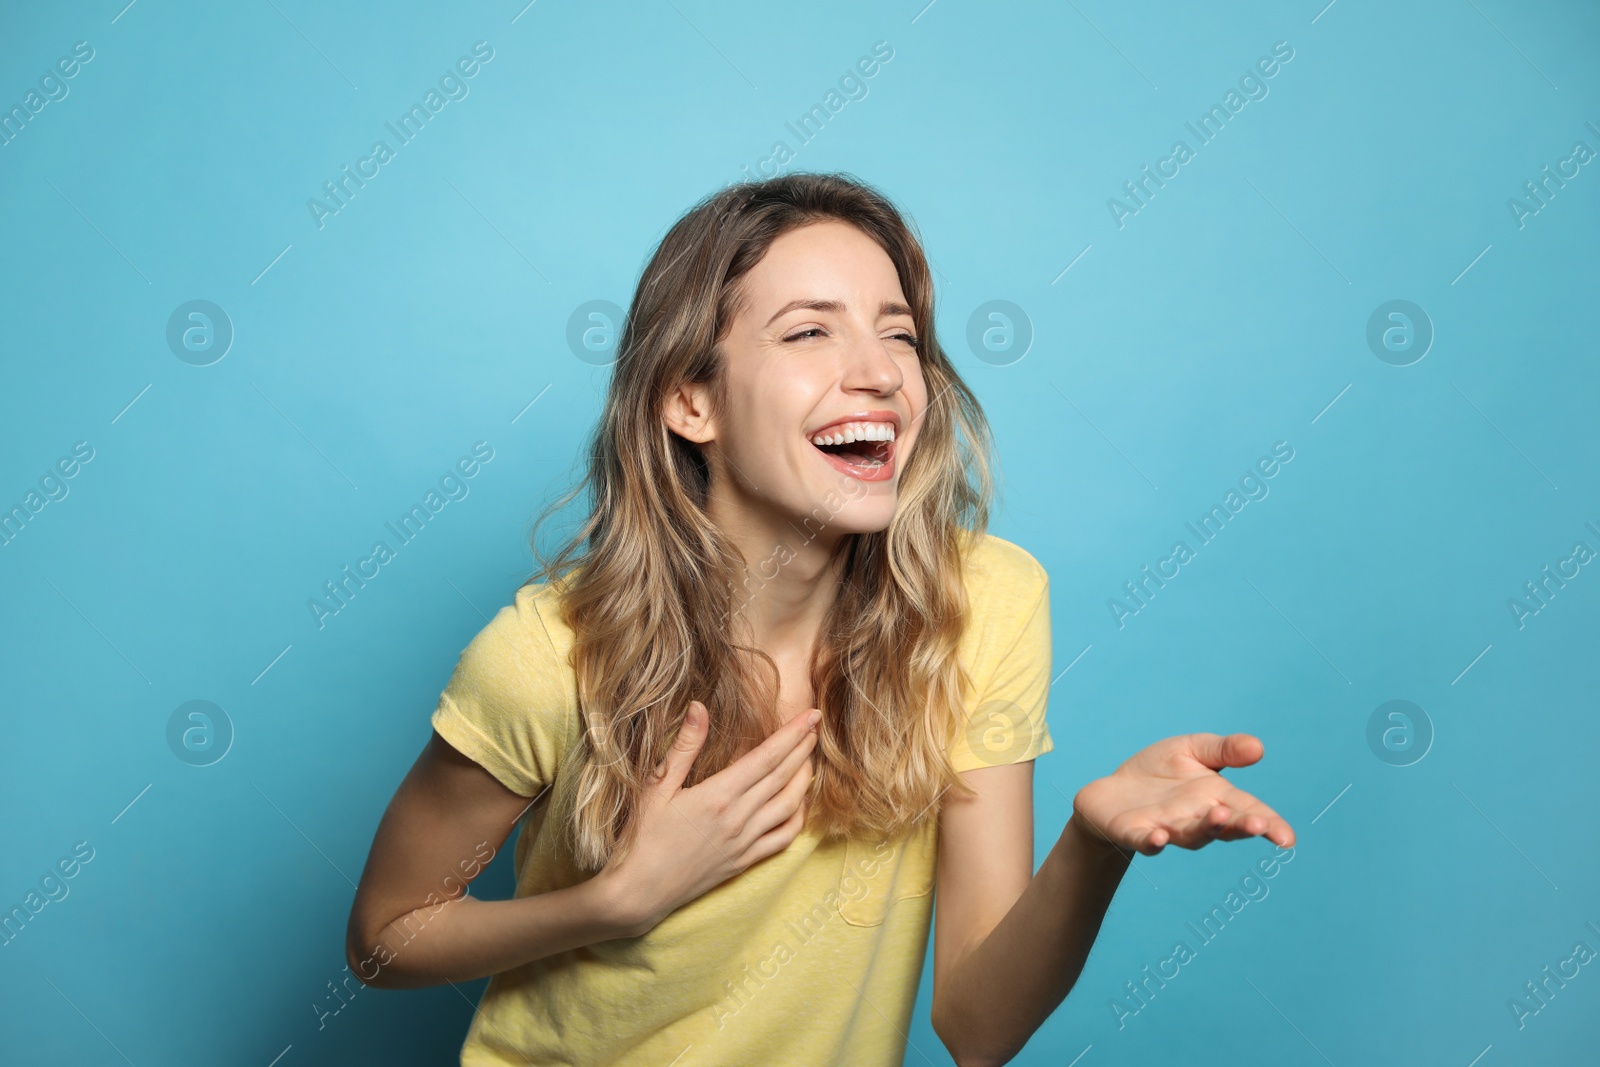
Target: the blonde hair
pixel 647 578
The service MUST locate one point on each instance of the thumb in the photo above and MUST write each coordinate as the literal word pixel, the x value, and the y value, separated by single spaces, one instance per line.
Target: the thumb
pixel 1234 750
pixel 685 747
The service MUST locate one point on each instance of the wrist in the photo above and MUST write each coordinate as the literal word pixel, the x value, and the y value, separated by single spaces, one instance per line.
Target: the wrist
pixel 1092 841
pixel 618 906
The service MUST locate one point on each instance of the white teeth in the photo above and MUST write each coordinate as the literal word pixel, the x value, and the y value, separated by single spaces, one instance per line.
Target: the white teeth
pixel 856 431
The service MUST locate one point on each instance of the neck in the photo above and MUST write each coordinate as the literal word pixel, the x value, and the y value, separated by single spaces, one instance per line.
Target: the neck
pixel 792 576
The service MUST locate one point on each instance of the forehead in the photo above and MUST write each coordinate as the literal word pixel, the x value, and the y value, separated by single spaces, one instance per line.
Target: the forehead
pixel 827 259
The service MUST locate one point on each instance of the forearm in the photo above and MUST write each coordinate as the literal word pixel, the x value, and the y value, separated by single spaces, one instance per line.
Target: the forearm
pixel 466 938
pixel 1006 986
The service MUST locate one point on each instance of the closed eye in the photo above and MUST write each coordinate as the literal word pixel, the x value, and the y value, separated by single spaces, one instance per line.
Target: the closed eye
pixel 909 339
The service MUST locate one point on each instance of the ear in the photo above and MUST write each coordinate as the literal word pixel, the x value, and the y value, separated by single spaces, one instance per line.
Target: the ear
pixel 686 412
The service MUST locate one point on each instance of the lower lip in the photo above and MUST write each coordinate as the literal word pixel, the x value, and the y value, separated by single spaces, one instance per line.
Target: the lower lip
pixel 866 474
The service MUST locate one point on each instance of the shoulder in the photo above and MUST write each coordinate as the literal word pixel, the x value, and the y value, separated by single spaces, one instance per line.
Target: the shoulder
pixel 1006 650
pixel 525 636
pixel 1000 574
pixel 511 702
pixel 1008 596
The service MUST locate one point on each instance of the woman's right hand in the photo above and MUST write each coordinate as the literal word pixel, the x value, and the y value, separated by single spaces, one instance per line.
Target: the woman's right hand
pixel 688 841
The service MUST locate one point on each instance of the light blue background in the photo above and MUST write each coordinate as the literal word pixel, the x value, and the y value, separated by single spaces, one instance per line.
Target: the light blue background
pixel 1228 314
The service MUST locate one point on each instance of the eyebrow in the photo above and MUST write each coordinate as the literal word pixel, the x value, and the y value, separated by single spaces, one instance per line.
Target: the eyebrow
pixel 888 307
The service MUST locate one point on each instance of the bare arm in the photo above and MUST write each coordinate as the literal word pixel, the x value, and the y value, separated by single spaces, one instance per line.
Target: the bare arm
pixel 413 924
pixel 1009 944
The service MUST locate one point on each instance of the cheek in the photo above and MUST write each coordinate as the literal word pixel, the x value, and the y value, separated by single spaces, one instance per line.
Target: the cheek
pixel 761 435
pixel 916 392
pixel 769 445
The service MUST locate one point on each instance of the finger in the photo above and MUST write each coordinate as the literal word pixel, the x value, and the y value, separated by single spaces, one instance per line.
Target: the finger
pixel 1234 750
pixel 781 782
pixel 1251 823
pixel 1272 826
pixel 1197 828
pixel 1224 823
pixel 784 803
pixel 1229 823
pixel 775 839
pixel 750 768
pixel 1142 833
pixel 671 771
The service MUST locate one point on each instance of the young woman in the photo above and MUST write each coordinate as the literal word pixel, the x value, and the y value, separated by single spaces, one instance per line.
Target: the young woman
pixel 788 688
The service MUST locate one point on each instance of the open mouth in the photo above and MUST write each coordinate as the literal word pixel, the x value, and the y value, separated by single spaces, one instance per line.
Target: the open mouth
pixel 858 450
pixel 867 455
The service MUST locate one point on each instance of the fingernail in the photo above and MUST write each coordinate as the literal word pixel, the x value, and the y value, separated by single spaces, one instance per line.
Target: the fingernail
pixel 813 717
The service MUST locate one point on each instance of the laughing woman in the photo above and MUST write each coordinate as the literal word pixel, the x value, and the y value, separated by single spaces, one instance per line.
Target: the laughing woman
pixel 777 688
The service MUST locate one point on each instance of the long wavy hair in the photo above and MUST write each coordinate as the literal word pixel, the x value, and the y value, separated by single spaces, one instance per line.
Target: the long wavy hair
pixel 647 580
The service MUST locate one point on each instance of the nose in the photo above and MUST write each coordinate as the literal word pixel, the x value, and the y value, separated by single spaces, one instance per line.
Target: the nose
pixel 871 366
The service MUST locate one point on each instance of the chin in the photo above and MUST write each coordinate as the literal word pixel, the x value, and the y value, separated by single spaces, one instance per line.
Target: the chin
pixel 866 516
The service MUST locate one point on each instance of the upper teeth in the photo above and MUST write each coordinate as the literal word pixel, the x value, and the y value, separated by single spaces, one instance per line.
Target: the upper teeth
pixel 855 431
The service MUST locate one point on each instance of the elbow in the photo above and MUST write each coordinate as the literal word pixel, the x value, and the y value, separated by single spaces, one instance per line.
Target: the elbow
pixel 373 968
pixel 974 1059
pixel 367 957
pixel 977 1060
pixel 357 949
pixel 360 963
pixel 964 1051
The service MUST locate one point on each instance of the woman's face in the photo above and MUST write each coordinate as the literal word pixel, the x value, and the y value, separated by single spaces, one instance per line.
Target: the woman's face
pixel 822 345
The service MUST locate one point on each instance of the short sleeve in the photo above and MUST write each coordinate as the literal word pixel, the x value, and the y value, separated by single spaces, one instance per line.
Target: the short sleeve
pixel 1010 662
pixel 510 704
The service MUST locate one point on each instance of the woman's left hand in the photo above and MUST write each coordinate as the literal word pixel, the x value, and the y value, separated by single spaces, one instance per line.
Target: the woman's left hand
pixel 1171 793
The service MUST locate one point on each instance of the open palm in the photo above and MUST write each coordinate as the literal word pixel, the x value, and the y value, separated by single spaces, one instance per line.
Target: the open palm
pixel 1171 793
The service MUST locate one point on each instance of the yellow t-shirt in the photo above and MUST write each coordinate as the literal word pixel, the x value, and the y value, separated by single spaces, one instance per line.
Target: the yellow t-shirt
pixel 812 956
